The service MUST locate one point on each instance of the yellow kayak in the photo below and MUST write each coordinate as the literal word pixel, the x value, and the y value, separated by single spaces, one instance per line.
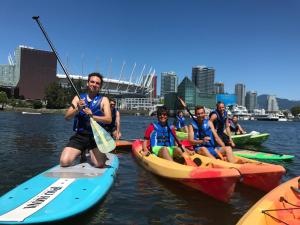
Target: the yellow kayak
pixel 218 183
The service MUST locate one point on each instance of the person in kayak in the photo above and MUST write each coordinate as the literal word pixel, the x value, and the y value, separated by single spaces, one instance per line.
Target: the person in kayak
pixel 179 122
pixel 92 105
pixel 235 127
pixel 201 136
pixel 160 138
pixel 220 121
pixel 114 127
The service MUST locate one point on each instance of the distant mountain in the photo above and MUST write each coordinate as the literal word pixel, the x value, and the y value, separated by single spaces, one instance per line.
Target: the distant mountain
pixel 282 102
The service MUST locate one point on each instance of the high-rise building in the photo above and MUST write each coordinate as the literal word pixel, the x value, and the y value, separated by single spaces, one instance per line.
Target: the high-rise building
pixel 153 85
pixel 204 78
pixel 240 91
pixel 168 83
pixel 272 103
pixel 219 88
pixel 251 100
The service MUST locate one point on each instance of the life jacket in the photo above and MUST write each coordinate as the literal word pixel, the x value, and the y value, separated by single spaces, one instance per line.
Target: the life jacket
pixel 82 120
pixel 180 122
pixel 113 118
pixel 161 136
pixel 233 127
pixel 220 122
pixel 203 131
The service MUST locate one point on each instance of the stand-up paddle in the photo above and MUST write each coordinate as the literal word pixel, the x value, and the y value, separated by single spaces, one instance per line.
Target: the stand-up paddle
pixel 104 141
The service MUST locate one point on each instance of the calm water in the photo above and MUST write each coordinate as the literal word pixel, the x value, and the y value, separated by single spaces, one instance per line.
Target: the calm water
pixel 31 144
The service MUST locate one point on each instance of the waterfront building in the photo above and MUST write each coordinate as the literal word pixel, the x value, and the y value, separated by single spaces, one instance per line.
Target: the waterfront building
pixel 219 88
pixel 191 95
pixel 272 104
pixel 29 73
pixel 169 82
pixel 251 100
pixel 228 99
pixel 240 90
pixel 204 78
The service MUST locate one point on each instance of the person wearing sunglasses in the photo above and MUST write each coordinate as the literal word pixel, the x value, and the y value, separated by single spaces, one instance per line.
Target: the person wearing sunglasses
pixel 160 138
pixel 90 104
pixel 114 127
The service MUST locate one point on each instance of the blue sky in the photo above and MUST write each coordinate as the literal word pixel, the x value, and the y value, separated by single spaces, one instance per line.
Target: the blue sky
pixel 254 42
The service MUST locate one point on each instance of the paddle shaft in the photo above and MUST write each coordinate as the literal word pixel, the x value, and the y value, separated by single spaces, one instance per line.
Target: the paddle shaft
pixel 36 18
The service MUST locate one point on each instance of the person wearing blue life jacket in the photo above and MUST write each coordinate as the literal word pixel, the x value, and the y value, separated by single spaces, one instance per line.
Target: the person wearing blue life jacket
pixel 114 127
pixel 201 136
pixel 220 121
pixel 160 138
pixel 235 127
pixel 90 104
pixel 179 122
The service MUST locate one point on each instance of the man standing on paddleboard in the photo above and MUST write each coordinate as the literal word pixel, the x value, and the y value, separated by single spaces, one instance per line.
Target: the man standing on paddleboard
pixel 90 105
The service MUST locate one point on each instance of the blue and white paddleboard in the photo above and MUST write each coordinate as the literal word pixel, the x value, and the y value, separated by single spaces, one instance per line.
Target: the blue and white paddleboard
pixel 58 193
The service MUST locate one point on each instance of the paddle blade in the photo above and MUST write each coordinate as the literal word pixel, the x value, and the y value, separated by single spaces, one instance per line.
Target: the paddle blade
pixel 104 141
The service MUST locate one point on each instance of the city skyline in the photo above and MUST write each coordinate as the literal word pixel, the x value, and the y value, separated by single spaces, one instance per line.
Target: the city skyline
pixel 254 42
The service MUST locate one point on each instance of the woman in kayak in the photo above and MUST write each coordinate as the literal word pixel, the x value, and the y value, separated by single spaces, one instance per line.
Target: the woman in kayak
pixel 235 127
pixel 160 138
pixel 204 138
pixel 179 122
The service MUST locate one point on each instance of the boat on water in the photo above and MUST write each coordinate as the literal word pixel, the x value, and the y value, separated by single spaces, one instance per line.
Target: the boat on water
pixel 260 175
pixel 266 117
pixel 31 113
pixel 279 206
pixel 58 193
pixel 218 183
pixel 241 112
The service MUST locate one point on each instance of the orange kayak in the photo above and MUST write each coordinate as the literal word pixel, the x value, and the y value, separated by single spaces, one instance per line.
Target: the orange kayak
pixel 123 145
pixel 218 183
pixel 279 206
pixel 260 175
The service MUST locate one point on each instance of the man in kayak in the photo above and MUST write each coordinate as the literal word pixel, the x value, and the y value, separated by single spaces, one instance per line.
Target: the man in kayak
pixel 179 122
pixel 235 127
pixel 92 105
pixel 203 137
pixel 160 138
pixel 114 127
pixel 220 121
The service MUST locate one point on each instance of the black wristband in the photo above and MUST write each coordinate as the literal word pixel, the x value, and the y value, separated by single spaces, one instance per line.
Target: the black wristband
pixel 73 106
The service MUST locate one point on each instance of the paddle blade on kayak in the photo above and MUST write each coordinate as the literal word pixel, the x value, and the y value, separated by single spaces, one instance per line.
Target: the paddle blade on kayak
pixel 104 141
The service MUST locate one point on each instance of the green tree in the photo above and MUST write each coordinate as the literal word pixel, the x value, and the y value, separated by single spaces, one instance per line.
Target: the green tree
pixel 295 110
pixel 3 99
pixel 55 96
pixel 37 104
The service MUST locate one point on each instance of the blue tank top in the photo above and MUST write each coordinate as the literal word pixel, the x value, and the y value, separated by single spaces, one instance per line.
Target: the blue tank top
pixel 82 121
pixel 203 131
pixel 161 136
pixel 220 122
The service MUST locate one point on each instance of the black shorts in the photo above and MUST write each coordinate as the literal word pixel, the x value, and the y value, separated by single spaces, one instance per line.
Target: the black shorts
pixel 82 142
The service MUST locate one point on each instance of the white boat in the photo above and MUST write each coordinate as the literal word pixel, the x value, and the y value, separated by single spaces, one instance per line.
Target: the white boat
pixel 32 113
pixel 281 117
pixel 267 117
pixel 241 112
